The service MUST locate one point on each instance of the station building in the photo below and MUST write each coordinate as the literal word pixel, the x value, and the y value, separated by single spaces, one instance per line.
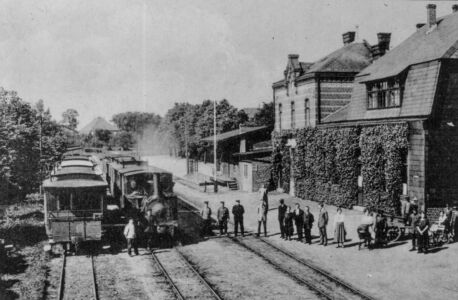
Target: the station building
pixel 415 83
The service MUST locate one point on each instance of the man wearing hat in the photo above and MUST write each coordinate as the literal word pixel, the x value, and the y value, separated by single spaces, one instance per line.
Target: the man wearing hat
pixel 206 219
pixel 223 217
pixel 238 211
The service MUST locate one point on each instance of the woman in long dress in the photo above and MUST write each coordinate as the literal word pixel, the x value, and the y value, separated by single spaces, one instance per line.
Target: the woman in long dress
pixel 288 222
pixel 339 228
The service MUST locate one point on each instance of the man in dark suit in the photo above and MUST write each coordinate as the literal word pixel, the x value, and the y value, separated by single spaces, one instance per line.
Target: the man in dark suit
pixel 281 217
pixel 323 219
pixel 238 211
pixel 308 223
pixel 299 221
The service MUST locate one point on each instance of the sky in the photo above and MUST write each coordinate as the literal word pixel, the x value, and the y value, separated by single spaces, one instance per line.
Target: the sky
pixel 110 56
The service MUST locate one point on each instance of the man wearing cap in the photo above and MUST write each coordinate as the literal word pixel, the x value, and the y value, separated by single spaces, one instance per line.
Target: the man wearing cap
pixel 222 216
pixel 206 219
pixel 281 217
pixel 238 211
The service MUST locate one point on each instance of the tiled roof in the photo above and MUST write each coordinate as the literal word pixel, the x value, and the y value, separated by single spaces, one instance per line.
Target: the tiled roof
pixel 98 123
pixel 425 44
pixel 350 58
pixel 419 94
pixel 235 133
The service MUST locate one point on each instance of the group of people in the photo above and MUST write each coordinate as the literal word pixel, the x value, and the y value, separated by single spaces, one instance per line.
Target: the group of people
pixel 222 217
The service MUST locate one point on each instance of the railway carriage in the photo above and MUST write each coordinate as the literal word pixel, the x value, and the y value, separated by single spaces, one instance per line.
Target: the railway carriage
pixel 74 205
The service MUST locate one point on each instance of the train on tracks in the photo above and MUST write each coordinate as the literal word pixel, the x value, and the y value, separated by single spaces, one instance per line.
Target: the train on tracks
pixel 88 195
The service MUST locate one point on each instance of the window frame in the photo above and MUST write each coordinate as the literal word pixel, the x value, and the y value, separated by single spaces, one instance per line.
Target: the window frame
pixel 385 94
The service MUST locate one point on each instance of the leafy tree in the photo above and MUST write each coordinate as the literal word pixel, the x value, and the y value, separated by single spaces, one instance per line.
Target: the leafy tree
pixel 122 139
pixel 70 118
pixel 30 140
pixel 264 116
pixel 136 121
pixel 103 135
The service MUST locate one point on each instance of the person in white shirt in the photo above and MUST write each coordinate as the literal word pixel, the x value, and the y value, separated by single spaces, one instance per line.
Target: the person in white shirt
pixel 339 228
pixel 131 236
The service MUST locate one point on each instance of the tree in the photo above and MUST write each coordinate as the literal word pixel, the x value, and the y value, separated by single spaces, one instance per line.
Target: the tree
pixel 123 139
pixel 265 115
pixel 24 131
pixel 70 118
pixel 103 135
pixel 136 122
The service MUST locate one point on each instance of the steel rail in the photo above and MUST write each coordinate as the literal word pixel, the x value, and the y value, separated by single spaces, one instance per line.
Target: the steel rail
pixel 328 275
pixel 277 266
pixel 94 281
pixel 60 294
pixel 201 278
pixel 166 274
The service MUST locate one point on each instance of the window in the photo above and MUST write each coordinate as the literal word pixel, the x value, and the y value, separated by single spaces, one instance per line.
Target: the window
pixel 245 171
pixel 293 115
pixel 307 112
pixel 279 116
pixel 384 94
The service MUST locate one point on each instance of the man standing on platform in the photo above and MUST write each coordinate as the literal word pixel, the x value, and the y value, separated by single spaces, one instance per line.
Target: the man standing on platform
pixel 262 217
pixel 323 219
pixel 308 223
pixel 263 195
pixel 281 217
pixel 131 237
pixel 223 217
pixel 299 221
pixel 206 219
pixel 238 211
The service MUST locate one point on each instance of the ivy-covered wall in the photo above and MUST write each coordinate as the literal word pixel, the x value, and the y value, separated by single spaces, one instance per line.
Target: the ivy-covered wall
pixel 327 161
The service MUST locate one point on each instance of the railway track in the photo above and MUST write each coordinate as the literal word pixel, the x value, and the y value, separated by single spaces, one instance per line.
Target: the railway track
pixel 185 281
pixel 77 278
pixel 324 284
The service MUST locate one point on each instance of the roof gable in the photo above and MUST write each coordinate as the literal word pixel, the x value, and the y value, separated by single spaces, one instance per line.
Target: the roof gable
pixel 96 124
pixel 426 44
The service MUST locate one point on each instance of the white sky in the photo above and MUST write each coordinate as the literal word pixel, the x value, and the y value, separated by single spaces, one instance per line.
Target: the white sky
pixel 109 56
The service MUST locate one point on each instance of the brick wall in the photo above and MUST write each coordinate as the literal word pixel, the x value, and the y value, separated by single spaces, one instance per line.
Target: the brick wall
pixel 334 95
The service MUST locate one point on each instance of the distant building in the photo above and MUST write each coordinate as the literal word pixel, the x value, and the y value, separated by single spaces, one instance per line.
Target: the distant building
pixel 243 156
pixel 309 92
pixel 98 123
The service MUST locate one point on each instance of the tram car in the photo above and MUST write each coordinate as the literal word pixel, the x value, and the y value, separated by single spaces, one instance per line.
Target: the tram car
pixel 74 205
pixel 137 187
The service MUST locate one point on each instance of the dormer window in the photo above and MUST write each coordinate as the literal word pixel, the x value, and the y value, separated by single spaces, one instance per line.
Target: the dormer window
pixel 384 94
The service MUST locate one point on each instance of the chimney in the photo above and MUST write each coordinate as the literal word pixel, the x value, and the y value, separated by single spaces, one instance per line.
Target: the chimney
pixel 455 8
pixel 419 25
pixel 294 59
pixel 384 39
pixel 431 15
pixel 382 46
pixel 348 37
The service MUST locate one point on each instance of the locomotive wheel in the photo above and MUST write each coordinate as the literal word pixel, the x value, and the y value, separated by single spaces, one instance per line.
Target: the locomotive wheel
pixel 394 233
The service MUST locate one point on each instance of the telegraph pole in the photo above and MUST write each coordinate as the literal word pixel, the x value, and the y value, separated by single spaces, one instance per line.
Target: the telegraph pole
pixel 41 163
pixel 214 145
pixel 186 143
